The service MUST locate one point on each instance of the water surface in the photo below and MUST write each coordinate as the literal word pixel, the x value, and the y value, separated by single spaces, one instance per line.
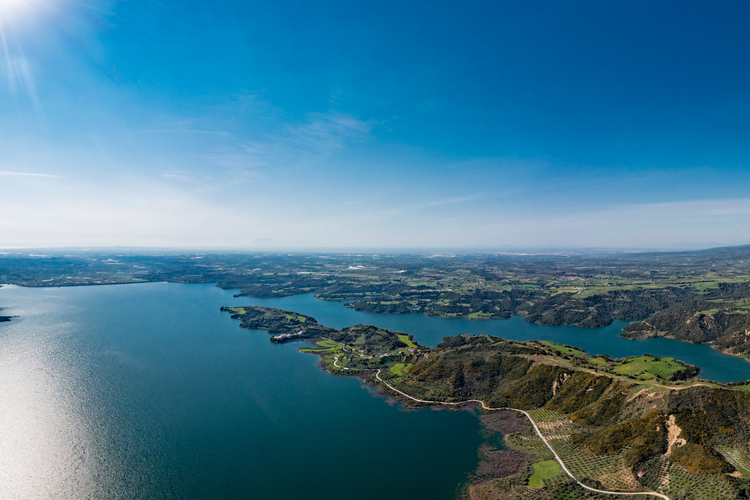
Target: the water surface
pixel 149 391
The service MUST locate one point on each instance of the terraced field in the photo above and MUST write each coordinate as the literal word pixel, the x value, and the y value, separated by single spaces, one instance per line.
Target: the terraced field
pixel 610 470
pixel 681 484
pixel 738 458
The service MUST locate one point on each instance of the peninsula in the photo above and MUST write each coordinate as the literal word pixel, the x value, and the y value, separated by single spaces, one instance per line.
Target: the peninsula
pixel 574 426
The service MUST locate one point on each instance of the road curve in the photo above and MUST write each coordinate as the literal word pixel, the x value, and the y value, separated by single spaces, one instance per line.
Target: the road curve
pixel 557 457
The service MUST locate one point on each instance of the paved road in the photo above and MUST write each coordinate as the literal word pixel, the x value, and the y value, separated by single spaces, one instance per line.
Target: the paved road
pixel 652 493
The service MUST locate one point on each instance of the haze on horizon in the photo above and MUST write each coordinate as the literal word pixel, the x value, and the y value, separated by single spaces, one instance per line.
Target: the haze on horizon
pixel 348 124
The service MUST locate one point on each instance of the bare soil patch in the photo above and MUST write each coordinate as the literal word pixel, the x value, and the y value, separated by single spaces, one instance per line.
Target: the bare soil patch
pixel 501 463
pixel 505 422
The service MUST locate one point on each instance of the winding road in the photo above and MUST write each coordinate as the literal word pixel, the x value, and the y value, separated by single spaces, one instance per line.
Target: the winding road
pixel 557 457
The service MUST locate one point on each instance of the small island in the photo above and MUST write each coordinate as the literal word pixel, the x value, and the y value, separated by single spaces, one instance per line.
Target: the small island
pixel 4 318
pixel 573 425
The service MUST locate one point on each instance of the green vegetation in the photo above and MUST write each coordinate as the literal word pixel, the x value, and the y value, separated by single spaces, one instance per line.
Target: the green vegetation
pixel 564 348
pixel 325 346
pixel 286 326
pixel 648 367
pixel 479 315
pixel 355 348
pixel 698 459
pixel 736 457
pixel 645 438
pixel 291 317
pixel 542 471
pixel 400 369
pixel 406 340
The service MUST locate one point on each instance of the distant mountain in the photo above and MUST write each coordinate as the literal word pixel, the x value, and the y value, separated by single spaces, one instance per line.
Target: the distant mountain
pixel 719 253
pixel 733 252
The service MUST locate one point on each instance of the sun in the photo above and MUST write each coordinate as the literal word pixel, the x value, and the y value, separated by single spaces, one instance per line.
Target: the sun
pixel 8 7
pixel 11 4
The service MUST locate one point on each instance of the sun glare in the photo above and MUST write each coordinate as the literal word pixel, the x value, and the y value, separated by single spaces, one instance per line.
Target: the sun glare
pixel 12 3
pixel 9 7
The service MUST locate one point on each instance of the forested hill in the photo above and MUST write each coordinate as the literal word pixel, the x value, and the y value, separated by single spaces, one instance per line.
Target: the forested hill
pixel 720 316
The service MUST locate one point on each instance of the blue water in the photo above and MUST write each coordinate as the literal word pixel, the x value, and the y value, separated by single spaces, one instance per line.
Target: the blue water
pixel 149 391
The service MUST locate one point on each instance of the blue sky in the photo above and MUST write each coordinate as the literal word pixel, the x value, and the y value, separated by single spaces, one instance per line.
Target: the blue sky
pixel 374 124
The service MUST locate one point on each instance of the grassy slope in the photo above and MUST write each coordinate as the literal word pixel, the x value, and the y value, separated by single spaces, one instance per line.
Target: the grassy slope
pixel 543 470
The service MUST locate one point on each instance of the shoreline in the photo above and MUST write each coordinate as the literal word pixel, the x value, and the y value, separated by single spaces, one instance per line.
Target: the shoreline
pixel 722 351
pixel 728 352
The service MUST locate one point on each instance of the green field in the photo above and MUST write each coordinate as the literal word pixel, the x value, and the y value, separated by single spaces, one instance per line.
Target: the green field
pixel 400 369
pixel 543 470
pixel 562 348
pixel 324 346
pixel 647 367
pixel 406 340
pixel 479 315
pixel 599 361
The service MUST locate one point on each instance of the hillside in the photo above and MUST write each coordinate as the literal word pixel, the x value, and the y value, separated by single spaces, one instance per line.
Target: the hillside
pixel 720 317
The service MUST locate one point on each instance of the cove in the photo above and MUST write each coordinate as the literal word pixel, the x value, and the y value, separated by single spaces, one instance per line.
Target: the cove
pixel 149 391
pixel 429 331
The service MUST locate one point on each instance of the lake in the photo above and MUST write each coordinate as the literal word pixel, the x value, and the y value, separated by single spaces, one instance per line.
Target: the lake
pixel 149 391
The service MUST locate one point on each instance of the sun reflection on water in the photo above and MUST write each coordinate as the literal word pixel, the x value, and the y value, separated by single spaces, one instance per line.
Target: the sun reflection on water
pixel 45 451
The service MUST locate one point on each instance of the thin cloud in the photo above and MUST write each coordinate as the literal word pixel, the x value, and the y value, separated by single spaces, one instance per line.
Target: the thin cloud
pixel 645 225
pixel 186 131
pixel 318 137
pixel 650 212
pixel 321 136
pixel 384 214
pixel 455 200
